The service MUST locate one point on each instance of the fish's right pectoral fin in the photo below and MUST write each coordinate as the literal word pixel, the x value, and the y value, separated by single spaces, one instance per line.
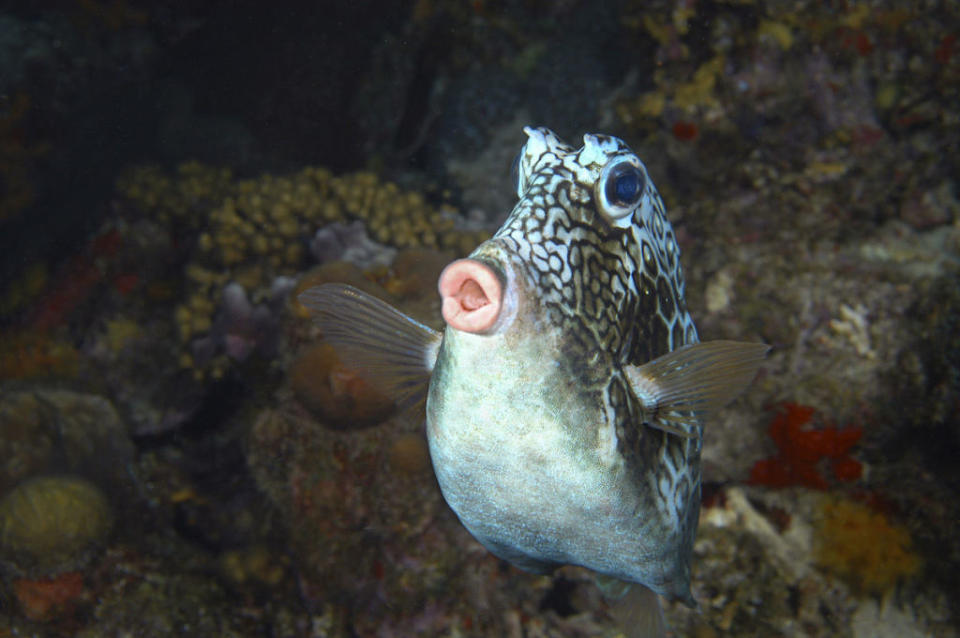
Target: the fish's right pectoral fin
pixel 684 388
pixel 395 351
pixel 637 612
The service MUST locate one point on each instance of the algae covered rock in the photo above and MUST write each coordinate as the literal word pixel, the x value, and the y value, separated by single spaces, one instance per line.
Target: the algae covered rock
pixel 366 521
pixel 46 429
pixel 52 524
pixel 26 441
pixel 168 605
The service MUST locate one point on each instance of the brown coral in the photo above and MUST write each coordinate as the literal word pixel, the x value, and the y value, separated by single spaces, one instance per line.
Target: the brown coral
pixel 335 393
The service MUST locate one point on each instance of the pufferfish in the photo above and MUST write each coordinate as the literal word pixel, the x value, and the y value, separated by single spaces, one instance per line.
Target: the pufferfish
pixel 567 394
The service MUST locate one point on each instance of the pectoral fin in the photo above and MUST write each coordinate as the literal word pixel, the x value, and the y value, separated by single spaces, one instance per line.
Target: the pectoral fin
pixel 635 608
pixel 395 351
pixel 683 388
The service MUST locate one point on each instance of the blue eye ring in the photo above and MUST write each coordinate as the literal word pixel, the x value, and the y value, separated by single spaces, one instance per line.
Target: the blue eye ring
pixel 620 188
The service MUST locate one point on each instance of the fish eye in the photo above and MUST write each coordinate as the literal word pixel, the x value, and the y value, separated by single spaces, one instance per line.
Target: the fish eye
pixel 620 187
pixel 625 187
pixel 624 184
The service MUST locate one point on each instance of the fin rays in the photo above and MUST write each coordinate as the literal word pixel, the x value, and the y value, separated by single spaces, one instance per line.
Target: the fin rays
pixel 394 350
pixel 685 387
pixel 635 608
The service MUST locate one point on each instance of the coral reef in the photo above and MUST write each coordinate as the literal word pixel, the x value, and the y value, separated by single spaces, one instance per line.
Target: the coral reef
pixel 50 430
pixel 26 354
pixel 251 235
pixel 330 483
pixel 863 547
pixel 52 524
pixel 152 343
pixel 22 290
pixel 45 302
pixel 335 393
pixel 913 447
pixel 337 271
pixel 47 599
pixel 182 200
pixel 238 330
pixel 801 449
pixel 254 566
pixel 793 583
pixel 376 548
pixel 349 242
pixel 165 605
pixel 735 538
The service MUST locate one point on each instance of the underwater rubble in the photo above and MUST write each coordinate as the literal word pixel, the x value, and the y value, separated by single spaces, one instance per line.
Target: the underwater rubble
pixel 184 454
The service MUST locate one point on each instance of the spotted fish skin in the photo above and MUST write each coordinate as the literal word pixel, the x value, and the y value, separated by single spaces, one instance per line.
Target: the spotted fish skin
pixel 593 294
pixel 611 285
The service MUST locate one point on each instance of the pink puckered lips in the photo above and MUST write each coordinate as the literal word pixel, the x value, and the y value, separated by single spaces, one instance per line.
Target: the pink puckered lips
pixel 472 296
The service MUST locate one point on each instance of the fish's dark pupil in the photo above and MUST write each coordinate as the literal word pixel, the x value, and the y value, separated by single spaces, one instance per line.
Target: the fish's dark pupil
pixel 625 185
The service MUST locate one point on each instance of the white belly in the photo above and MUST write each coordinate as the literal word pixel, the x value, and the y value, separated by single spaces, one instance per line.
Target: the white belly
pixel 529 466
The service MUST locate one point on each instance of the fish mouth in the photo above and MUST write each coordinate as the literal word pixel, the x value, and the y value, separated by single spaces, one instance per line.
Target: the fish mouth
pixel 472 294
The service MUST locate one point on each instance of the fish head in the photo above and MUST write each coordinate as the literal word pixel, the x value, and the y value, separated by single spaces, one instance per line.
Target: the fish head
pixel 586 250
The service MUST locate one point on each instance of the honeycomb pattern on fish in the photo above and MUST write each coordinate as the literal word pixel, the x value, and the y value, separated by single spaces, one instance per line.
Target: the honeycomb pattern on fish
pixel 616 290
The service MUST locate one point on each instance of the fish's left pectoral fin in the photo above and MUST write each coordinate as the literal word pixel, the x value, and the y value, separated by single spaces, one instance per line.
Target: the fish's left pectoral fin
pixel 395 351
pixel 684 388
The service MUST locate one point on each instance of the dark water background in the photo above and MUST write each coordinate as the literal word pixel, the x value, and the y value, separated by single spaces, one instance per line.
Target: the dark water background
pixel 808 159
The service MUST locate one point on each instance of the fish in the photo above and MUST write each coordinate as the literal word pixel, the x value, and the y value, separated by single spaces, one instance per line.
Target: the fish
pixel 566 397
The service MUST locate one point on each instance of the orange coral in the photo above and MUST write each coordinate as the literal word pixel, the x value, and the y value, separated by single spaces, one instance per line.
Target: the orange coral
pixel 34 350
pixel 862 546
pixel 76 281
pixel 48 599
pixel 802 448
pixel 685 131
